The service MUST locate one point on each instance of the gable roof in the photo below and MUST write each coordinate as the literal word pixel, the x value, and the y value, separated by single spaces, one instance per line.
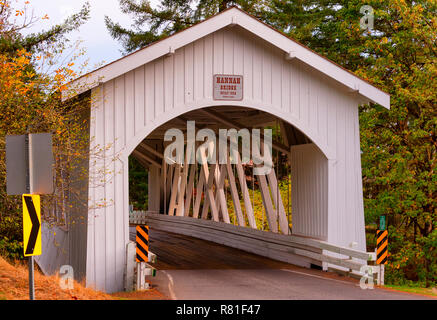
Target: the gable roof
pixel 231 16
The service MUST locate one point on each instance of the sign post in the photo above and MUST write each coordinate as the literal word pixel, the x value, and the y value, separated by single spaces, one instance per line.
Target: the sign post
pixel 142 256
pixel 29 163
pixel 31 235
pixel 381 252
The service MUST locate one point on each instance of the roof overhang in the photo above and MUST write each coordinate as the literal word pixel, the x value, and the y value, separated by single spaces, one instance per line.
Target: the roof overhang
pixel 230 17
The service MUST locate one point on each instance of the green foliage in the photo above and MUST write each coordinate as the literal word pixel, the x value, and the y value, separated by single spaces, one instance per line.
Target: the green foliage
pixel 257 203
pixel 30 102
pixel 11 40
pixel 138 185
pixel 399 146
pixel 150 25
pixel 11 239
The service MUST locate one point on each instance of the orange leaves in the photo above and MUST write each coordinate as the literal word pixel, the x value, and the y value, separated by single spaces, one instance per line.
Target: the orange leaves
pixel 12 72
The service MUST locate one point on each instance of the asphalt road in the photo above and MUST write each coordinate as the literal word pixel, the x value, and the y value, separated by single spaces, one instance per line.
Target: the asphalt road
pixel 193 269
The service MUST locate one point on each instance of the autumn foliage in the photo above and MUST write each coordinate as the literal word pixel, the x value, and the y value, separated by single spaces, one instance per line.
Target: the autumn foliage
pixel 30 103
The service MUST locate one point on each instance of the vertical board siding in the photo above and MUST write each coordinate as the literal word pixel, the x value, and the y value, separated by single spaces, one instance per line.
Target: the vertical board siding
pixel 149 92
pixel 159 87
pixel 309 191
pixel 228 52
pixel 327 193
pixel 218 55
pixel 129 94
pixel 168 83
pixel 198 74
pixel 248 69
pixel 139 99
pixel 208 72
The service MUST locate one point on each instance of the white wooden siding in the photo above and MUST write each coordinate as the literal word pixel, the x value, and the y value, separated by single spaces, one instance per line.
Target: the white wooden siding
pixel 132 105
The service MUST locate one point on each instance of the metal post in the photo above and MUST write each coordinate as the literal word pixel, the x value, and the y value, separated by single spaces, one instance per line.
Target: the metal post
pixel 31 279
pixel 30 259
pixel 381 272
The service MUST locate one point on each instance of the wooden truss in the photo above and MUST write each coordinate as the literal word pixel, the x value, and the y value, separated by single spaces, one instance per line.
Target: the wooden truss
pixel 200 191
pixel 205 197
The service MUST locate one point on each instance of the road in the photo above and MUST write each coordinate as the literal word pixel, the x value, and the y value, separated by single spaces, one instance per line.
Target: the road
pixel 193 269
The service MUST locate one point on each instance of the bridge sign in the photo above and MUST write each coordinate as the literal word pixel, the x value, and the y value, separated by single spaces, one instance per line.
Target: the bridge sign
pixel 228 87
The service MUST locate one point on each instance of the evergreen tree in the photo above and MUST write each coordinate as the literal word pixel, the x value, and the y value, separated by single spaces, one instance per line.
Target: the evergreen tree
pixel 150 24
pixel 400 145
pixel 12 39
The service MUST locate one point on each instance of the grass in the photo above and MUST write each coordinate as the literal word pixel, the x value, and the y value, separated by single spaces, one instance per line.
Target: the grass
pixel 417 290
pixel 14 285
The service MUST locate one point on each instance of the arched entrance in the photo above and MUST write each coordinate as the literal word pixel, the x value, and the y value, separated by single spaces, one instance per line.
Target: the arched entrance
pixel 233 193
pixel 310 96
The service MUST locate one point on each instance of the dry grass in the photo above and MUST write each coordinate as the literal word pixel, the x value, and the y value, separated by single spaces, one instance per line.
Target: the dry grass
pixel 151 294
pixel 14 285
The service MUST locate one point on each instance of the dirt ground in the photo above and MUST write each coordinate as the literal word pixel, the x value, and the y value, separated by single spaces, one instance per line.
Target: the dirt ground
pixel 14 286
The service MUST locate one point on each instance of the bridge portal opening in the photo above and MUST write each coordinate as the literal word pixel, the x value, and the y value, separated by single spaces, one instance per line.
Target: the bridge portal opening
pixel 233 189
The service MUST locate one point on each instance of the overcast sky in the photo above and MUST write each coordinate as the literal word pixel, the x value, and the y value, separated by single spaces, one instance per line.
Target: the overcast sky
pixel 99 45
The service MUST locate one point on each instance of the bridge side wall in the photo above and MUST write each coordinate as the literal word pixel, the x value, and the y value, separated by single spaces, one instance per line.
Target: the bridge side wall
pixel 127 109
pixel 309 191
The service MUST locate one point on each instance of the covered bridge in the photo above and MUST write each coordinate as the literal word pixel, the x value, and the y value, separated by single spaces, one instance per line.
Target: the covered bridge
pixel 137 98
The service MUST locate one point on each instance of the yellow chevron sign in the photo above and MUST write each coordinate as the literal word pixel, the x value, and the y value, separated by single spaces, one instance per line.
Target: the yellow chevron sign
pixel 31 225
pixel 381 246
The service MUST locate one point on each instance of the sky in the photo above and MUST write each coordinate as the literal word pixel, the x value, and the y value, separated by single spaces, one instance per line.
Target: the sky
pixel 100 47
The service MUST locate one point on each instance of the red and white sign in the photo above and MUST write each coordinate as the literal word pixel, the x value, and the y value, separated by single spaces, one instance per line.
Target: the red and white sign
pixel 228 87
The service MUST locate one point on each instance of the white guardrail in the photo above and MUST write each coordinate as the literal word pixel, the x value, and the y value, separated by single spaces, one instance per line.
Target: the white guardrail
pixel 292 249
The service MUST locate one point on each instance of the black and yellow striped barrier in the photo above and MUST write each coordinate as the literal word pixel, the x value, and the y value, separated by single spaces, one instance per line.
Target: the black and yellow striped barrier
pixel 381 246
pixel 142 244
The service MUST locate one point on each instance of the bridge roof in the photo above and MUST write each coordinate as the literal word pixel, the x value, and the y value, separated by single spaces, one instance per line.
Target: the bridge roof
pixel 230 17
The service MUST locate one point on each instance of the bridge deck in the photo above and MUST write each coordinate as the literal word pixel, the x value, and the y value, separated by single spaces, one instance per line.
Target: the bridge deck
pixel 193 269
pixel 182 252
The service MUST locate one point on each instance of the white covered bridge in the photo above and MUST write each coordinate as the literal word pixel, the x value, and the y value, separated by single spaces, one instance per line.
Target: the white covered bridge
pixel 136 99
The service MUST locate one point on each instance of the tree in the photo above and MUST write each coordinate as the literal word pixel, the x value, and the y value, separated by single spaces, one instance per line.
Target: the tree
pixel 30 102
pixel 399 146
pixel 171 16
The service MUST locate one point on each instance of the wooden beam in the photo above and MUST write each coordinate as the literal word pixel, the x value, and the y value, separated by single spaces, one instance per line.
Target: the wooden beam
pixel 220 174
pixel 270 212
pixel 234 195
pixel 182 186
pixel 209 177
pixel 199 191
pixel 164 184
pixel 190 188
pixel 144 163
pixel 234 124
pixel 245 192
pixel 284 133
pixel 137 153
pixel 174 190
pixel 151 150
pixel 279 205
